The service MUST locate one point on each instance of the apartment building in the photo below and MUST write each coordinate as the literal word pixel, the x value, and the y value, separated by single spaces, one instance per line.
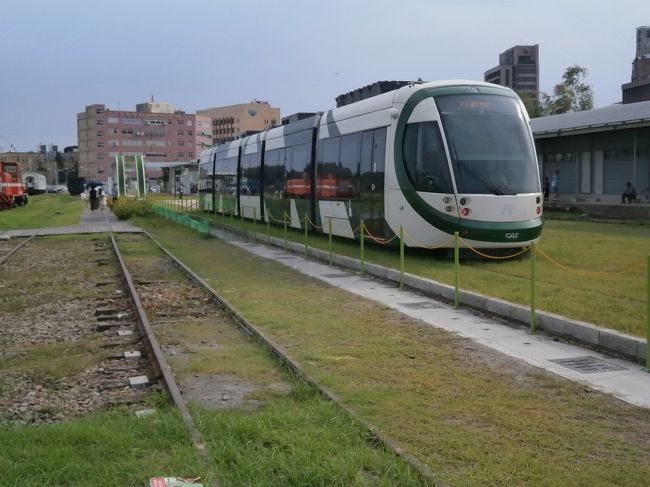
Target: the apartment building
pixel 153 131
pixel 638 89
pixel 231 122
pixel 518 69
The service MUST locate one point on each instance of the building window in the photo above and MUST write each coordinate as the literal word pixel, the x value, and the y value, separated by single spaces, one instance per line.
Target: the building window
pixel 100 170
pixel 100 133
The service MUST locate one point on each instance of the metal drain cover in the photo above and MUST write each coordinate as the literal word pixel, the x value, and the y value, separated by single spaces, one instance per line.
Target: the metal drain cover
pixel 587 364
pixel 420 305
pixel 336 276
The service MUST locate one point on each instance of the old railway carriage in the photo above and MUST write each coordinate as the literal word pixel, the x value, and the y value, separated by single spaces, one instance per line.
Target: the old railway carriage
pixel 433 158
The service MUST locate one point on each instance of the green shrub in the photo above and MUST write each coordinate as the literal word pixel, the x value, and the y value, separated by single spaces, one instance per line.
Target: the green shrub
pixel 124 208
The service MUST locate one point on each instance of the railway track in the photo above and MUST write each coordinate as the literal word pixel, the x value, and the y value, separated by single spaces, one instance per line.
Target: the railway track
pixel 73 346
pixel 9 247
pixel 125 308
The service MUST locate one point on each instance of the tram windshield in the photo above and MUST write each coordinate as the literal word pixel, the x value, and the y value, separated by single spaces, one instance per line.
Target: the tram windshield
pixel 490 145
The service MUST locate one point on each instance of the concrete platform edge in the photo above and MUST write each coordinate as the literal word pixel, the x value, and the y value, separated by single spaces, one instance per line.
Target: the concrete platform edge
pixel 576 331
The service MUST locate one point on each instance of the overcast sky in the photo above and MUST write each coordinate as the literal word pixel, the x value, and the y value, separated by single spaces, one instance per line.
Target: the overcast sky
pixel 56 57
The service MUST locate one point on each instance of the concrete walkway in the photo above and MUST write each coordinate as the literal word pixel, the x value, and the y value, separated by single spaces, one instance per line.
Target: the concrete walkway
pixel 620 378
pixel 91 222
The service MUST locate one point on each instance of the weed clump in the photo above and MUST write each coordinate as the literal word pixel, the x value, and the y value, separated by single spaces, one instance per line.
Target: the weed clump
pixel 125 208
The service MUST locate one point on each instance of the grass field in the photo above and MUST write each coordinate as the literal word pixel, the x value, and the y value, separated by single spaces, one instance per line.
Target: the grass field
pixel 588 271
pixel 43 210
pixel 473 416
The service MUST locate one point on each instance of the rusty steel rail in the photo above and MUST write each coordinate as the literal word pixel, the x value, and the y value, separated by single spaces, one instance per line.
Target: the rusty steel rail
pixel 15 249
pixel 381 437
pixel 159 363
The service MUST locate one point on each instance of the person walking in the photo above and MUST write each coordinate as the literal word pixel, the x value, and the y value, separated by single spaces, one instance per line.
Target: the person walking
pixel 101 196
pixel 555 185
pixel 114 192
pixel 94 201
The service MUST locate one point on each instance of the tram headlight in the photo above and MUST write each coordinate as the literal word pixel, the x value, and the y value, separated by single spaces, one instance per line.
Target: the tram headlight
pixel 463 201
pixel 539 210
pixel 464 211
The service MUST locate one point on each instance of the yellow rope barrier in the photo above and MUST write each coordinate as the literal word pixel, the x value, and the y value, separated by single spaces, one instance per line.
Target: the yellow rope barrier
pixel 275 219
pixel 495 257
pixel 635 266
pixel 317 227
pixel 428 247
pixel 378 240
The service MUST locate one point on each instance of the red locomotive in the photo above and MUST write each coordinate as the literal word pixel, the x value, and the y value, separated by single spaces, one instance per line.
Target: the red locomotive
pixel 12 190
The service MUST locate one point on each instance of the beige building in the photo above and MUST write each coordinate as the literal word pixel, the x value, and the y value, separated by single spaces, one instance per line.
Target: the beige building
pixel 154 107
pixel 230 122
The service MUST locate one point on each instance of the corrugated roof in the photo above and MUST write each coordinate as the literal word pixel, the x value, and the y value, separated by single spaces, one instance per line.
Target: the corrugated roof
pixel 592 120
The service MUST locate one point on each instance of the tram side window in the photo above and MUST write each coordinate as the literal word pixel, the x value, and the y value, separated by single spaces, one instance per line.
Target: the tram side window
pixel 347 177
pixel 298 158
pixel 275 173
pixel 251 174
pixel 373 155
pixel 425 158
pixel 205 178
pixel 227 176
pixel 298 171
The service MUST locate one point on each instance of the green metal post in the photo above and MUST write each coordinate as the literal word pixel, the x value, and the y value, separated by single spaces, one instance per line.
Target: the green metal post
pixel 647 302
pixel 456 268
pixel 284 217
pixel 254 227
pixel 361 241
pixel 533 278
pixel 223 212
pixel 329 243
pixel 268 228
pixel 401 256
pixel 306 230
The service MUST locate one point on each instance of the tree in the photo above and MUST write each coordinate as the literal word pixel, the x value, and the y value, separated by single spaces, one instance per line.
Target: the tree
pixel 533 107
pixel 573 94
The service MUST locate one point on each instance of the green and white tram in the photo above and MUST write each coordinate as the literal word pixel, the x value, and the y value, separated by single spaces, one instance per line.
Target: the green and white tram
pixel 432 158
